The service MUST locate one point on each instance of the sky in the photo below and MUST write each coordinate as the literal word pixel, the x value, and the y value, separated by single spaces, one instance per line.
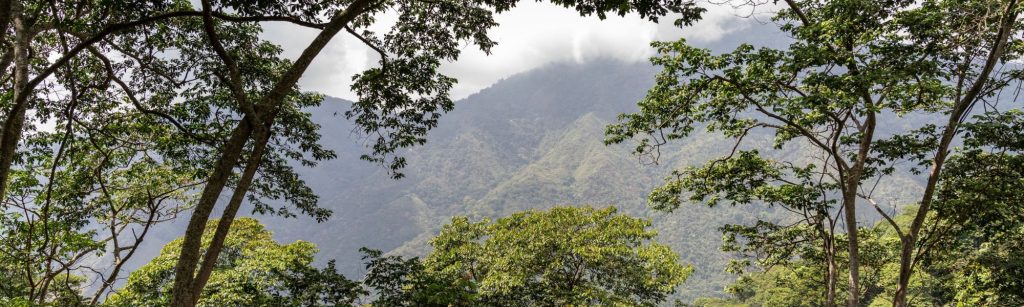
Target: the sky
pixel 529 36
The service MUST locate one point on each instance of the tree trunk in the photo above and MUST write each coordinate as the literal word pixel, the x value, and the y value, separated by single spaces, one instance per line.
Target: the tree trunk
pixel 828 246
pixel 849 204
pixel 833 272
pixel 184 293
pixel 228 217
pixel 908 243
pixel 15 120
pixel 184 270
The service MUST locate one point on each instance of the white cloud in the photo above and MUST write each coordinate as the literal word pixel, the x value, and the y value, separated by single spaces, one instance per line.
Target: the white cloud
pixel 529 36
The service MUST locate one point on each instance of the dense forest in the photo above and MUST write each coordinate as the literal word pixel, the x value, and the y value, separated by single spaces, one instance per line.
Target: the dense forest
pixel 843 152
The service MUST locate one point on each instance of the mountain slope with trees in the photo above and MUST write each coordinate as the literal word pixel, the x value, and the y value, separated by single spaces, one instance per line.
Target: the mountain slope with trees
pixel 530 141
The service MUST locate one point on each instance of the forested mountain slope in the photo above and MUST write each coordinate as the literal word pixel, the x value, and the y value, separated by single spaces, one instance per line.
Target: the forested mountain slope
pixel 534 140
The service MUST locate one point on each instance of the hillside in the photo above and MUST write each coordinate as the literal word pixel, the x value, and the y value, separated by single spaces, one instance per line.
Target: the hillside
pixel 530 141
pixel 533 140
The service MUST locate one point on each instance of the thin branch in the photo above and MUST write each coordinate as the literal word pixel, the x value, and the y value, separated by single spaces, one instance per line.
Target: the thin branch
pixel 799 13
pixel 138 105
pixel 367 42
pixel 899 231
pixel 234 82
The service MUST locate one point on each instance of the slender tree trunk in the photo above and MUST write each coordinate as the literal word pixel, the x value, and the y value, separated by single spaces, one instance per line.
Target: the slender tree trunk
pixel 908 243
pixel 184 293
pixel 849 204
pixel 830 296
pixel 15 120
pixel 832 274
pixel 228 217
pixel 853 250
pixel 828 243
pixel 184 270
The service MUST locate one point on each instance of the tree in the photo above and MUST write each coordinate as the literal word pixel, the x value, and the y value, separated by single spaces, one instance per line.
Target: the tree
pixel 851 63
pixel 136 128
pixel 971 235
pixel 398 281
pixel 976 231
pixel 82 222
pixel 797 282
pixel 255 271
pixel 562 256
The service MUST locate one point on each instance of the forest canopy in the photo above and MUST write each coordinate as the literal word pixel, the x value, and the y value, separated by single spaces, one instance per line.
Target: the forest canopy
pixel 526 259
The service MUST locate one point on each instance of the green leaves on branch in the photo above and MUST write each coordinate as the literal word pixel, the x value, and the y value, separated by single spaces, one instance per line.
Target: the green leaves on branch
pixel 562 256
pixel 253 270
pixel 843 93
pixel 981 209
pixel 741 179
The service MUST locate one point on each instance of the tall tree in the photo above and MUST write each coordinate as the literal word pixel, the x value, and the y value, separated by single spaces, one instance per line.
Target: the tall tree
pixel 967 256
pixel 136 102
pixel 982 38
pixel 95 185
pixel 850 63
pixel 972 236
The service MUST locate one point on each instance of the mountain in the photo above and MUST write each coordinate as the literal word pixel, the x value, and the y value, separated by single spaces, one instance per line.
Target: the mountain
pixel 533 140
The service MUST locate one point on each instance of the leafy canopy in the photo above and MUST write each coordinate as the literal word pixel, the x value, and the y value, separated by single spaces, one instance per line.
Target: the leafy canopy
pixel 561 256
pixel 253 270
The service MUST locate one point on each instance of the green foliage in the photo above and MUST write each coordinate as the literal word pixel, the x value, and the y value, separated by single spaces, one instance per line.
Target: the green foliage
pixel 398 281
pixel 253 270
pixel 977 254
pixel 970 257
pixel 800 281
pixel 562 256
pixel 304 285
pixel 849 66
pixel 55 218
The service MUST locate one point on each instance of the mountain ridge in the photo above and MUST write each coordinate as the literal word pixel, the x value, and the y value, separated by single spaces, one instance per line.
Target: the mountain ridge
pixel 531 141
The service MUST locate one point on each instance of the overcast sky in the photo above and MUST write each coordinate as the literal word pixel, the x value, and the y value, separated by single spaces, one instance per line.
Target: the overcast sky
pixel 529 36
